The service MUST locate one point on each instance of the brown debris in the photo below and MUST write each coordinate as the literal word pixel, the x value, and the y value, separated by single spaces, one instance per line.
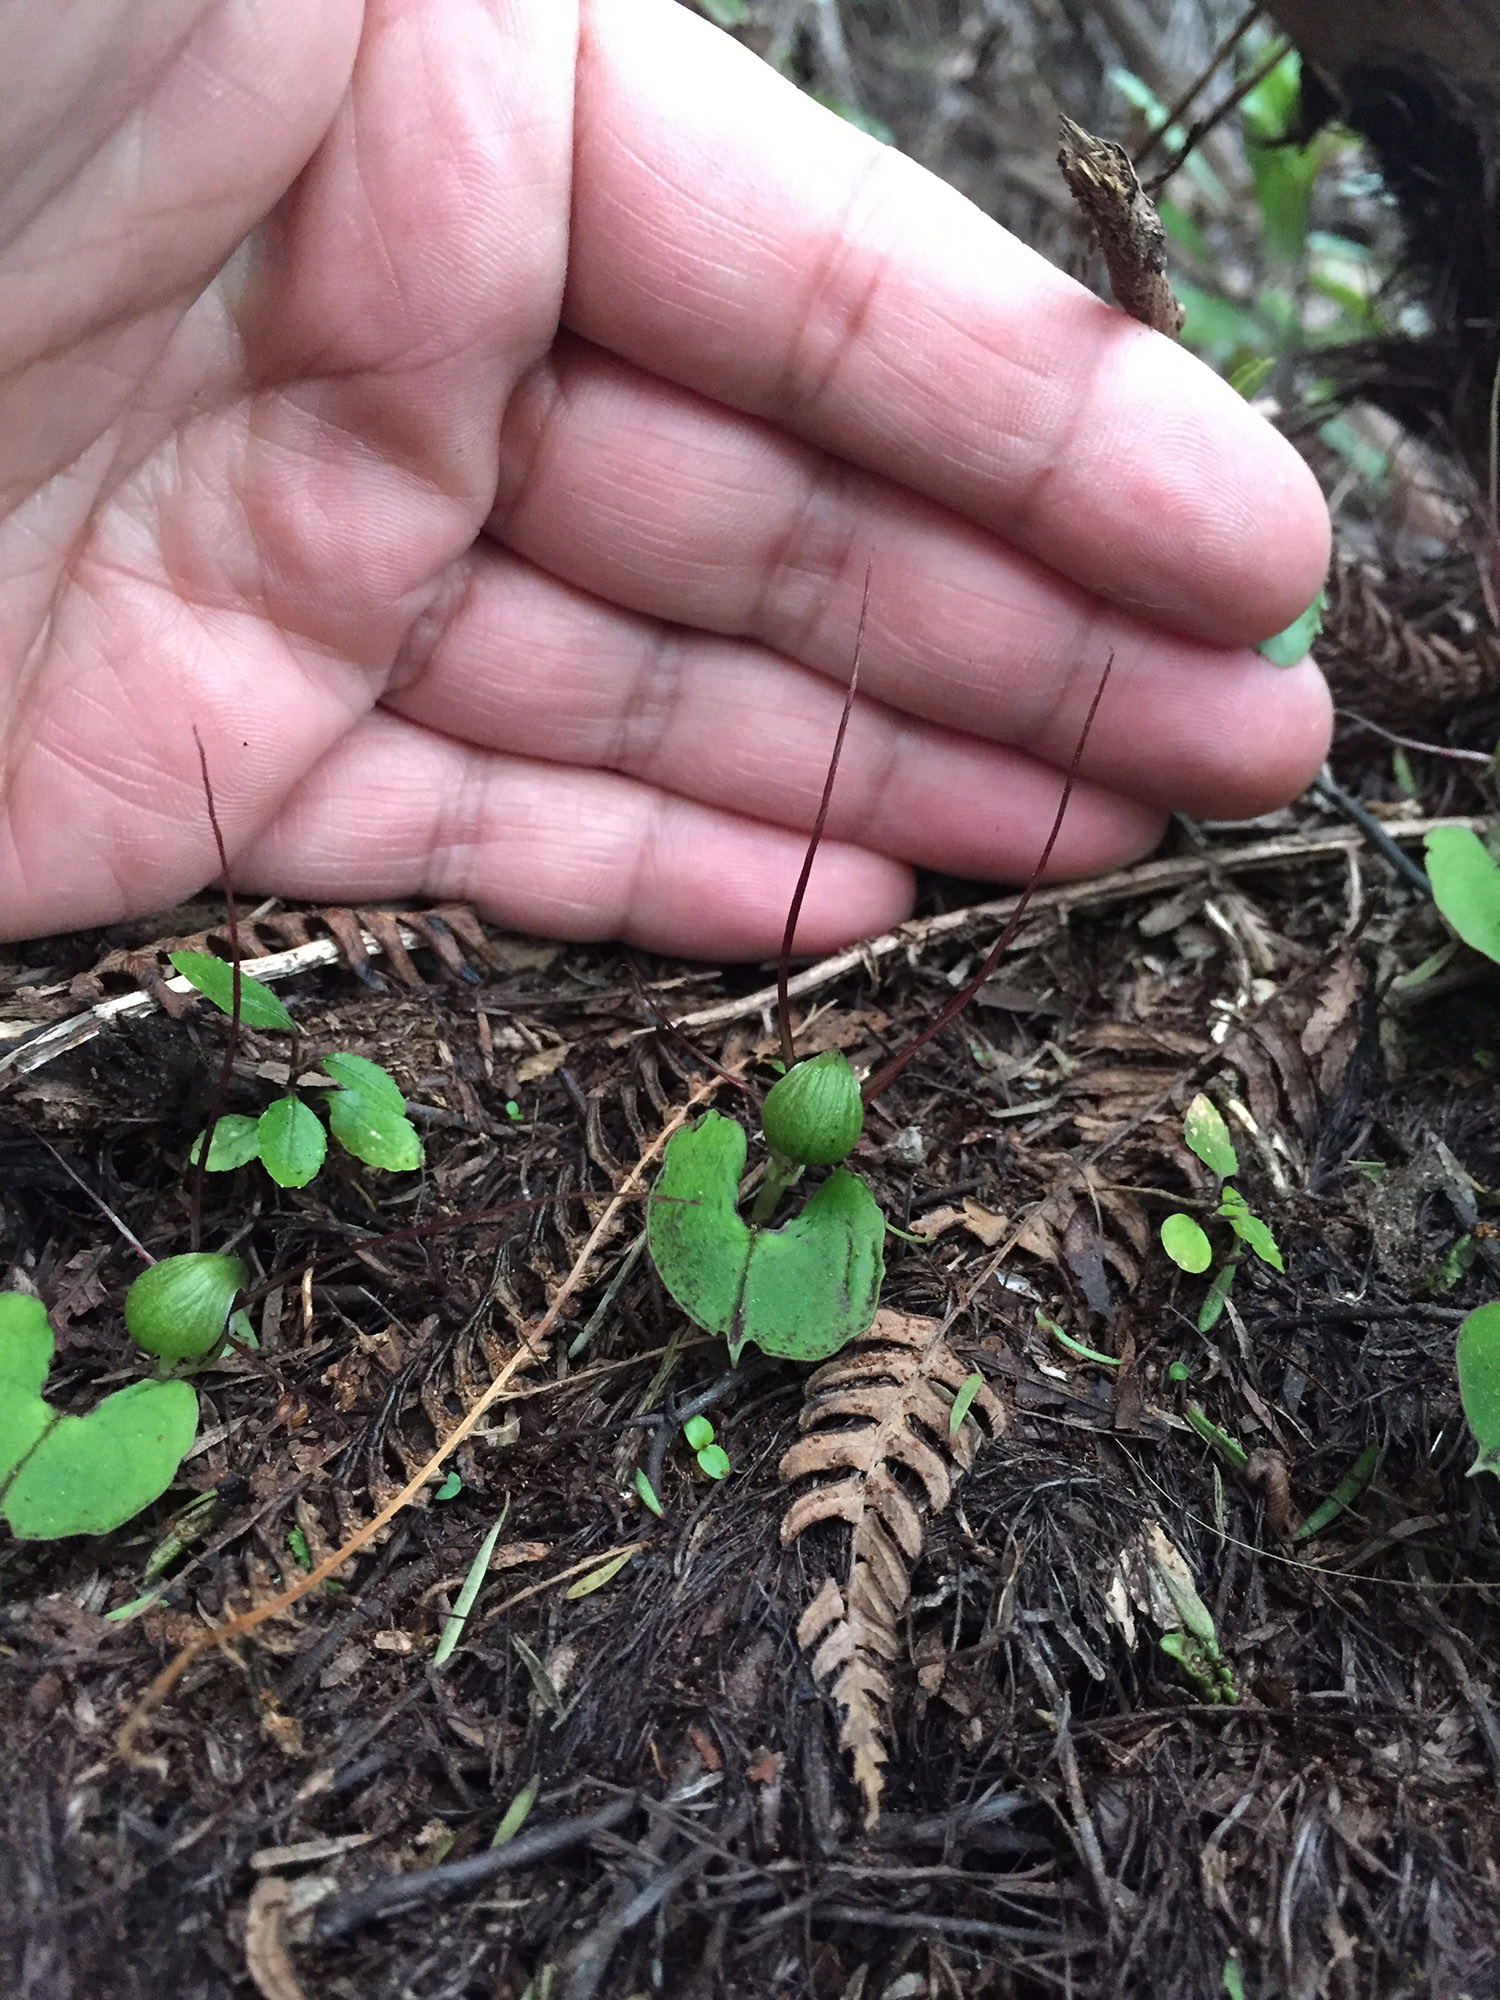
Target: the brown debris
pixel 875 1416
pixel 1123 221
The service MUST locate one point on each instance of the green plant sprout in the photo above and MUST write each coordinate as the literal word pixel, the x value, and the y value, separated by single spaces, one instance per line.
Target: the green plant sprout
pixel 713 1460
pixel 366 1111
pixel 1186 1242
pixel 806 1288
pixel 69 1475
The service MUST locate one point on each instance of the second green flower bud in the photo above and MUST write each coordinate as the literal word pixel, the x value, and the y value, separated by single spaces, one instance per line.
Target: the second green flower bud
pixel 814 1115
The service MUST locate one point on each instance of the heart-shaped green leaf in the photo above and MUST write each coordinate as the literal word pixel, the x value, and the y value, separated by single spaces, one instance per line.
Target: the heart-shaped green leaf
pixel 802 1291
pixel 291 1142
pixel 214 979
pixel 88 1475
pixel 1479 1383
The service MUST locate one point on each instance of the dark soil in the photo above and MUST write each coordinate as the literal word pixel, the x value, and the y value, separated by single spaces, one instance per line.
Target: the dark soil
pixel 1065 1811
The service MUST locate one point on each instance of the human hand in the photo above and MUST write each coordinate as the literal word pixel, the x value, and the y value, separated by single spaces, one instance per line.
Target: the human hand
pixel 493 489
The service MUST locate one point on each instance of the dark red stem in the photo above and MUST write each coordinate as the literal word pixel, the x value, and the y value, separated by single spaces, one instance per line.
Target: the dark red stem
pixel 221 1093
pixel 784 964
pixel 886 1076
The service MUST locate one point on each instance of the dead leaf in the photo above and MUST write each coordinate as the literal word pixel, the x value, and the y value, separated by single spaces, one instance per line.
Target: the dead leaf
pixel 881 1404
pixel 265 1953
pixel 765 1765
pixel 534 1067
pixel 706 1748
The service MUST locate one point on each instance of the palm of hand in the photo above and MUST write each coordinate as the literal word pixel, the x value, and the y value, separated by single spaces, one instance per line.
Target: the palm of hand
pixel 416 450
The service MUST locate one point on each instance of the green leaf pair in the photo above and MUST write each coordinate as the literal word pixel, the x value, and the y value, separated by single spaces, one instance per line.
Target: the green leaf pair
pixel 802 1291
pixel 67 1475
pixel 1185 1241
pixel 367 1114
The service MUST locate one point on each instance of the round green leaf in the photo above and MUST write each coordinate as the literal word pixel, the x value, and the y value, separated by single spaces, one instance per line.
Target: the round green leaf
pixel 1478 1356
pixel 699 1433
pixel 214 979
pixel 235 1143
pixel 1208 1136
pixel 90 1474
pixel 714 1460
pixel 370 1130
pixel 802 1291
pixel 178 1308
pixel 291 1142
pixel 1186 1244
pixel 1466 886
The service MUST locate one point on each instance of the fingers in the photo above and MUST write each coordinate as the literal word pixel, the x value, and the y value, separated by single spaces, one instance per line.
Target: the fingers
pixel 138 145
pixel 731 235
pixel 396 810
pixel 654 497
pixel 522 664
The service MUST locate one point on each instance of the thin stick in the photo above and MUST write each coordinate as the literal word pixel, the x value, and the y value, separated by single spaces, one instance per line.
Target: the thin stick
pixel 886 1076
pixel 1201 81
pixel 1216 117
pixel 226 1068
pixel 1414 743
pixel 273 1607
pixel 783 968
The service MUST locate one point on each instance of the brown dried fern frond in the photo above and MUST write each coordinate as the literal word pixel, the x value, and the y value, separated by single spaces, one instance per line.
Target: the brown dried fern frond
pixel 877 1416
pixel 1379 664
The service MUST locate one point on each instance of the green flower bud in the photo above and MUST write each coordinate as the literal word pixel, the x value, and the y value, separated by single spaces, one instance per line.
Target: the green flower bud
pixel 814 1114
pixel 177 1309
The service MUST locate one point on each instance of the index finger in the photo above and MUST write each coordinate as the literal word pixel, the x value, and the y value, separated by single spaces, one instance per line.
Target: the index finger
pixel 730 234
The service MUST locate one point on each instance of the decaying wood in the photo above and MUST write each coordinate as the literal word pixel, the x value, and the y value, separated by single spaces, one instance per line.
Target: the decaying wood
pixel 876 1418
pixel 1124 223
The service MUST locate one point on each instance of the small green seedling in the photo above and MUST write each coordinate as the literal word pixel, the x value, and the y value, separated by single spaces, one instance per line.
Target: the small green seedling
pixel 1478 1356
pixel 804 1289
pixel 1186 1242
pixel 712 1458
pixel 365 1109
pixel 69 1475
pixel 1195 1644
pixel 801 1291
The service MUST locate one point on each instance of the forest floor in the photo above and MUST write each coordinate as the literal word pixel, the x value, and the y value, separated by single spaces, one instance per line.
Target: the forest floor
pixel 1065 1808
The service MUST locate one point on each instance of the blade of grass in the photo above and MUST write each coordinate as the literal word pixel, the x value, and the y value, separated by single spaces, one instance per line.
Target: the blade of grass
pixel 453 1629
